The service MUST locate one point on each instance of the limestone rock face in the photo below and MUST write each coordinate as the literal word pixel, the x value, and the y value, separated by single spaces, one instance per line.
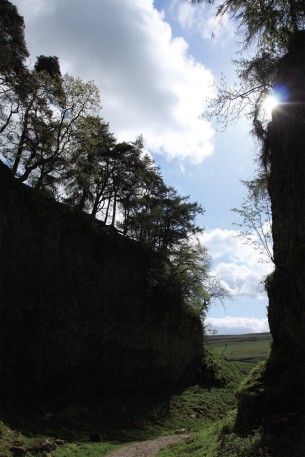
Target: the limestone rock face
pixel 77 309
pixel 278 389
pixel 285 371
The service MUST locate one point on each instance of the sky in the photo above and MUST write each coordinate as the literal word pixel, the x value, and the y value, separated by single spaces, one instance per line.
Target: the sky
pixel 154 63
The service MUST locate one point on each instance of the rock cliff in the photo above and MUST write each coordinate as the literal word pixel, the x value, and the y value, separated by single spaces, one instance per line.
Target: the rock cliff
pixel 77 308
pixel 279 389
pixel 285 371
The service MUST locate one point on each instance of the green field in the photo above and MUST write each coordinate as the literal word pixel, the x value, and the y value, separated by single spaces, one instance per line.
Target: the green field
pixel 244 350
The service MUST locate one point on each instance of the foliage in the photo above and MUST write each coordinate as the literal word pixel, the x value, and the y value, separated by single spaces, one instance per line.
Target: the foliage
pixel 250 398
pixel 221 372
pixel 49 65
pixel 185 270
pixel 256 217
pixel 218 440
pixel 188 268
pixel 253 382
pixel 10 438
pixel 86 177
pixel 13 49
pixel 206 413
pixel 37 141
pixel 268 21
pixel 119 418
pixel 267 27
pixel 54 140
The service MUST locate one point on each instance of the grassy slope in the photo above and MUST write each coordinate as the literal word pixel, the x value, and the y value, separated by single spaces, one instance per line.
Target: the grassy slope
pixel 119 420
pixel 279 437
pixel 246 351
pixel 207 414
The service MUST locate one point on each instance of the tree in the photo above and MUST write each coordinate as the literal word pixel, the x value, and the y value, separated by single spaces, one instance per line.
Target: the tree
pixel 84 178
pixel 49 65
pixel 13 53
pixel 270 23
pixel 23 137
pixel 189 268
pixel 37 144
pixel 13 49
pixel 268 26
pixel 142 181
pixel 162 219
pixel 256 225
pixel 189 271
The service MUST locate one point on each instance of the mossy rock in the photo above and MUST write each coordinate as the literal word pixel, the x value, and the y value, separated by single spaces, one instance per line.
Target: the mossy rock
pixel 250 400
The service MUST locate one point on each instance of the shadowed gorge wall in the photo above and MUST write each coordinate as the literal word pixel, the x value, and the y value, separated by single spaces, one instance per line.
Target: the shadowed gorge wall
pixel 279 388
pixel 77 307
pixel 285 370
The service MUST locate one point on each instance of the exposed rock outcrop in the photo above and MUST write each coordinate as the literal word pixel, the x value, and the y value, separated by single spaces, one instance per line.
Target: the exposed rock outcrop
pixel 279 390
pixel 77 308
pixel 285 370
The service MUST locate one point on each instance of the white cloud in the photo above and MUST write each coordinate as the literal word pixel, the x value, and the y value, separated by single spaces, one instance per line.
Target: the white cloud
pixel 202 18
pixel 149 82
pixel 238 265
pixel 229 324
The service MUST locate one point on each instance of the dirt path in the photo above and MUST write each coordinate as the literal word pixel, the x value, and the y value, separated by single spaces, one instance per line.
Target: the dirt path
pixel 147 448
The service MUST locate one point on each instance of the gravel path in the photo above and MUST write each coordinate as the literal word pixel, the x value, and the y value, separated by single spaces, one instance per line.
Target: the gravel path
pixel 147 448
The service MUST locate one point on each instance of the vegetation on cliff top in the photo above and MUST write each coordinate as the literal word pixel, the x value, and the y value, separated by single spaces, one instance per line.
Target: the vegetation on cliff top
pixel 53 139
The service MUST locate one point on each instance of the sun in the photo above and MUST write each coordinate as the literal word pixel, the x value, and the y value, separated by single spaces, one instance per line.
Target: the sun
pixel 269 104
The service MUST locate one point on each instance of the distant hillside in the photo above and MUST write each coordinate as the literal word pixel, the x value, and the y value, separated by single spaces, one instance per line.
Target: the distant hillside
pixel 246 351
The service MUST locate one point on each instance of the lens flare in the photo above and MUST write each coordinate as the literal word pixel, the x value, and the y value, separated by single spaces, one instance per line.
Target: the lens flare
pixel 281 93
pixel 269 104
pixel 277 96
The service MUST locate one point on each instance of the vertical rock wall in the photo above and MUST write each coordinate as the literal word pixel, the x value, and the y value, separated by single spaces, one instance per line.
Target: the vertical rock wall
pixel 279 389
pixel 285 371
pixel 77 310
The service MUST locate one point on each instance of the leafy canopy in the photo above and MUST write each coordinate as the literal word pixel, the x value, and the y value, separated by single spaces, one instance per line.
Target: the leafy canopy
pixel 267 28
pixel 53 139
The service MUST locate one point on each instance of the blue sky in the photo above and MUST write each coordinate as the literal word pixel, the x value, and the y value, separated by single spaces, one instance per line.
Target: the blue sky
pixel 154 63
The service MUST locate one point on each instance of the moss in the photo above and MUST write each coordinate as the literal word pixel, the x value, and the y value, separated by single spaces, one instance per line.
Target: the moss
pixel 268 281
pixel 250 398
pixel 220 372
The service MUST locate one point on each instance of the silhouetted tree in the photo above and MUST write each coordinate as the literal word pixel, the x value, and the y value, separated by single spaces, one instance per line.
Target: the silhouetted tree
pixel 13 52
pixel 85 172
pixel 268 25
pixel 255 212
pixel 13 49
pixel 49 65
pixel 38 142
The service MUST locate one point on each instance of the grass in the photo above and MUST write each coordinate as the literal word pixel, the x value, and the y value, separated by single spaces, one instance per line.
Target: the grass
pixel 207 414
pixel 121 419
pixel 10 438
pixel 191 410
pixel 283 438
pixel 220 440
pixel 245 351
